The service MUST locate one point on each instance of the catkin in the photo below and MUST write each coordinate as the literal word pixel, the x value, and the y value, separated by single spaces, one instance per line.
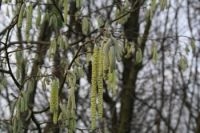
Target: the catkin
pixel 100 83
pixel 94 87
pixel 54 96
pixel 55 117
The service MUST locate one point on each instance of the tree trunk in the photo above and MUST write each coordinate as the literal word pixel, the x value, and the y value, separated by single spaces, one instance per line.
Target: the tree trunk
pixel 131 29
pixel 131 68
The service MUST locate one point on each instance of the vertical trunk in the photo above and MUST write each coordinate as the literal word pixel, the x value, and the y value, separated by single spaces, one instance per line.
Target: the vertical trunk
pixel 131 29
pixel 131 68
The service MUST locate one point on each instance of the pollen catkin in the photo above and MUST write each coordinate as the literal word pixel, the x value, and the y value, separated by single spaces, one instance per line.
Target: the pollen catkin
pixel 94 87
pixel 54 96
pixel 55 117
pixel 100 83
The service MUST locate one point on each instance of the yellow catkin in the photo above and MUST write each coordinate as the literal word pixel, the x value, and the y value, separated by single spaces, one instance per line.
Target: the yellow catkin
pixel 94 87
pixel 54 96
pixel 100 83
pixel 55 117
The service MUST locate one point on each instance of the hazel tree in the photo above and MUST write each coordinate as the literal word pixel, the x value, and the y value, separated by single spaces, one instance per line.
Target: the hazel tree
pixel 118 66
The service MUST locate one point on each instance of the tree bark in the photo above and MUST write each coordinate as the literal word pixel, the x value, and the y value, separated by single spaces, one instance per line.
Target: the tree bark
pixel 131 29
pixel 131 68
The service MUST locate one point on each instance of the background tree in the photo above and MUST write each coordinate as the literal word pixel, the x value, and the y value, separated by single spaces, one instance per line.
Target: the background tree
pixel 80 66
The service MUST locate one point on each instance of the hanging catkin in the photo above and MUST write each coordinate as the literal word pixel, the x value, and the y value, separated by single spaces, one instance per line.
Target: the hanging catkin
pixel 94 87
pixel 54 96
pixel 55 117
pixel 100 83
